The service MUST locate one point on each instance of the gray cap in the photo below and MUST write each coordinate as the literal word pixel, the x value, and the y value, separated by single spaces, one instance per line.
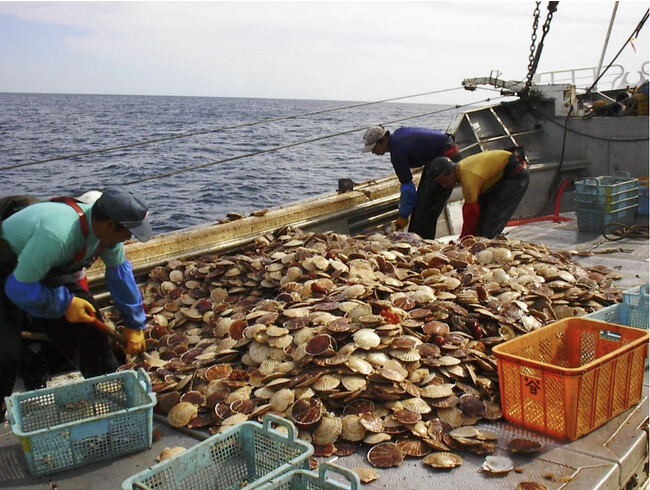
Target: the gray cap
pixel 371 136
pixel 127 209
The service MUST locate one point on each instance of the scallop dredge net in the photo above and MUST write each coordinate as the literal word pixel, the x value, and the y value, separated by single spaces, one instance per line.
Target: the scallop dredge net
pixel 375 339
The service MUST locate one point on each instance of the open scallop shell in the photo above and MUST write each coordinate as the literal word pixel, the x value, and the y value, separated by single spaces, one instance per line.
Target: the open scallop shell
pixel 497 465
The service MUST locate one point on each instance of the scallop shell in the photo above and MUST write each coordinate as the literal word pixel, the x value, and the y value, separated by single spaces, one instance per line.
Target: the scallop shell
pixel 354 383
pixel 530 485
pixel 413 447
pixel 328 431
pixel 328 382
pixel 181 414
pixel 366 475
pixel 497 465
pixel 385 455
pixel 281 400
pixel 417 405
pixel 170 452
pixel 442 460
pixel 437 391
pixel 352 429
pixel 372 422
pixel 306 412
pixel 376 438
pixel 524 446
pixel 366 338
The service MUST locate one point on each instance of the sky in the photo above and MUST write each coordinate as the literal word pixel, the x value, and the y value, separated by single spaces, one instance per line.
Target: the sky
pixel 352 51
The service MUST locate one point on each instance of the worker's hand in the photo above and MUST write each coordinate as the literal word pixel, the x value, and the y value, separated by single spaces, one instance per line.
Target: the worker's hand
pixel 134 341
pixel 80 311
pixel 401 223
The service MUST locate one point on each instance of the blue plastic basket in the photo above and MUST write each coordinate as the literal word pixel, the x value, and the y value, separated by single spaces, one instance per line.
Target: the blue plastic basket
pixel 624 314
pixel 611 188
pixel 601 204
pixel 637 296
pixel 595 221
pixel 308 480
pixel 643 196
pixel 244 457
pixel 72 425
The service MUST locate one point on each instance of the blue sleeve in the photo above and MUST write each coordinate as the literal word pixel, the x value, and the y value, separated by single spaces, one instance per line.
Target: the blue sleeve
pixel 126 295
pixel 38 300
pixel 408 199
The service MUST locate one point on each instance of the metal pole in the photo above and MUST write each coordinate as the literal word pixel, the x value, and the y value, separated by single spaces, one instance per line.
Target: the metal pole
pixel 609 31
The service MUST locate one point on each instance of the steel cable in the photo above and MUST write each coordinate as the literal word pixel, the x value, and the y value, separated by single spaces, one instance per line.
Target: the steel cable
pixel 283 147
pixel 225 128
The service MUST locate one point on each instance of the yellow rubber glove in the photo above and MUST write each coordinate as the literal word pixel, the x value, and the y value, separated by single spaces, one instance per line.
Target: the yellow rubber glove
pixel 134 341
pixel 80 311
pixel 400 223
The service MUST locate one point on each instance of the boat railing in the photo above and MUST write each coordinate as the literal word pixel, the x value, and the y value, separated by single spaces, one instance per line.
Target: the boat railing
pixel 616 77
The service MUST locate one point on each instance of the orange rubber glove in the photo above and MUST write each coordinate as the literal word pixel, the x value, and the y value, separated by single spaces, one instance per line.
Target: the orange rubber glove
pixel 80 311
pixel 134 341
pixel 401 223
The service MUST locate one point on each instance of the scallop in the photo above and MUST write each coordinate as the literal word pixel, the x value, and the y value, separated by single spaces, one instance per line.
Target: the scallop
pixel 385 455
pixel 354 383
pixel 306 412
pixel 437 391
pixel 282 399
pixel 176 276
pixel 352 429
pixel 502 255
pixel 366 338
pixel 327 382
pixel 328 431
pixel 417 405
pixel 181 414
pixel 366 475
pixel 354 291
pixel 170 452
pixel 442 460
pixel 371 422
pixel 359 365
pixel 485 257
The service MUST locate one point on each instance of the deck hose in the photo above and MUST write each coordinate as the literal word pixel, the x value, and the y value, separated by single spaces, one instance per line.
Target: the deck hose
pixel 556 218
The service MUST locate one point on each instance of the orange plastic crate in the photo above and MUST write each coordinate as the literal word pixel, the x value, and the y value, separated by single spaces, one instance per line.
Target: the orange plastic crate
pixel 571 376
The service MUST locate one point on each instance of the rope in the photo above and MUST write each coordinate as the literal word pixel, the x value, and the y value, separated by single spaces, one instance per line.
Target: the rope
pixel 635 33
pixel 225 128
pixel 291 145
pixel 624 231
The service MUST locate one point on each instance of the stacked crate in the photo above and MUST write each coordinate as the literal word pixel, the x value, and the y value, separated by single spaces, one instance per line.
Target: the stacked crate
pixel 604 200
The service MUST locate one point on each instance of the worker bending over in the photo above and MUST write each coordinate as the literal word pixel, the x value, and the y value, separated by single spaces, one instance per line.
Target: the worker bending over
pixel 493 185
pixel 43 249
pixel 412 148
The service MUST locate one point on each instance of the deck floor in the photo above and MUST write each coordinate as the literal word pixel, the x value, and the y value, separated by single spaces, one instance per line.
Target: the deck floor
pixel 603 459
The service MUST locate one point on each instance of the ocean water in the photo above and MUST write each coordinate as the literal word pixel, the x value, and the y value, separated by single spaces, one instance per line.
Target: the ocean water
pixel 232 176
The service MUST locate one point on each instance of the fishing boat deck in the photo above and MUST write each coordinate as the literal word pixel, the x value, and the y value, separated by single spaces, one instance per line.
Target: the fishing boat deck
pixel 606 458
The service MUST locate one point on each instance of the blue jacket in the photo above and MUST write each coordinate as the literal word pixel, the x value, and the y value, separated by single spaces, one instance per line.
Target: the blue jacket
pixel 412 148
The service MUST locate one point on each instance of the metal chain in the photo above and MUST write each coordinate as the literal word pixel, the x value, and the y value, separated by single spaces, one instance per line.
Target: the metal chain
pixel 533 39
pixel 535 52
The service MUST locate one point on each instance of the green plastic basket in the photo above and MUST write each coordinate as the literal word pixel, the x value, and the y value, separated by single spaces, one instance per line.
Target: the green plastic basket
pixel 595 221
pixel 625 314
pixel 244 457
pixel 611 188
pixel 637 296
pixel 308 480
pixel 68 426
